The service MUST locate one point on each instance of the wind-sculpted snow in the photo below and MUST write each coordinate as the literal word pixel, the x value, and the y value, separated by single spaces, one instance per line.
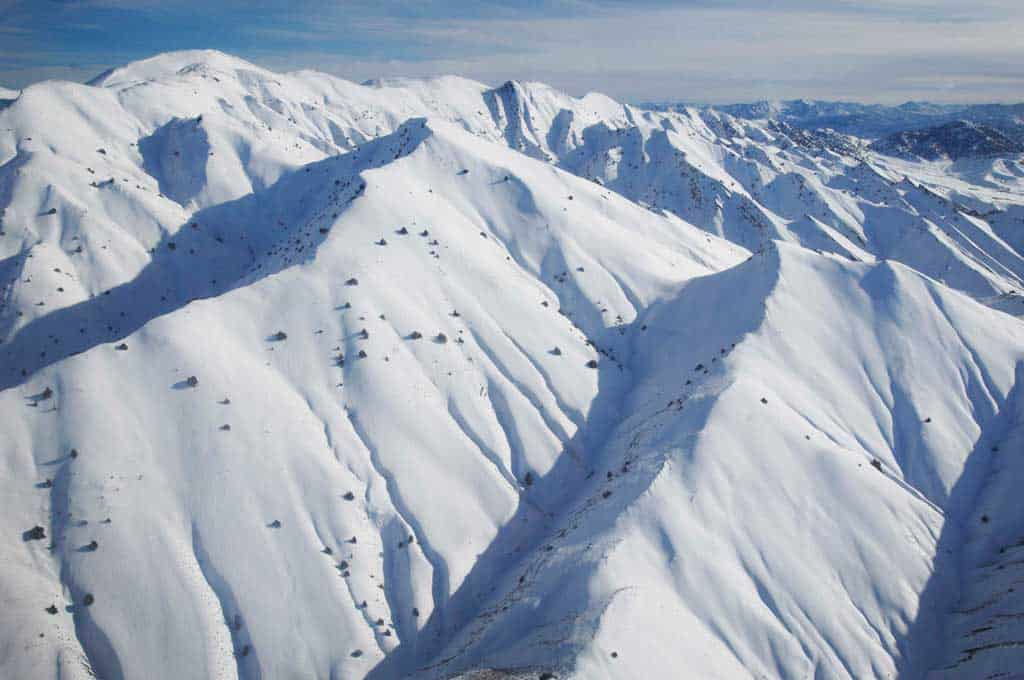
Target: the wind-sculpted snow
pixel 304 378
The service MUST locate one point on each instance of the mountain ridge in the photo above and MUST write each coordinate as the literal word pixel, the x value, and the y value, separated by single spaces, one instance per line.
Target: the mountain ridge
pixel 870 120
pixel 954 141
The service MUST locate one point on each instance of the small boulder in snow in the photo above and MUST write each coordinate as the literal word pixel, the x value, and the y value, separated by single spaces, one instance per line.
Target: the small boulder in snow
pixel 36 533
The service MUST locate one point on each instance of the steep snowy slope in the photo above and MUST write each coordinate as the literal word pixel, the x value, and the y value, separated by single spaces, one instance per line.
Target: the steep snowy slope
pixel 771 503
pixel 984 636
pixel 396 346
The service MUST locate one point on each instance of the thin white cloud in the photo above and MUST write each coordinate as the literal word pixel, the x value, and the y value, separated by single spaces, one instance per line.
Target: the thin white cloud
pixel 698 50
pixel 723 54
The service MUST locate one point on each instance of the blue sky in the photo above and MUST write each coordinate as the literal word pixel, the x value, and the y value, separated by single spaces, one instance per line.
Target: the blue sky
pixel 886 51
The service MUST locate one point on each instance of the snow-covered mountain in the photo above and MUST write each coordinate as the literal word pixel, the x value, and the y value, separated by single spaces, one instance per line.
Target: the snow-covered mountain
pixel 873 120
pixel 305 378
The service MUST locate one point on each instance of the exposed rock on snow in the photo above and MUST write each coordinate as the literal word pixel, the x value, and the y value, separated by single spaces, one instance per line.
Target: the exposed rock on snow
pixel 719 399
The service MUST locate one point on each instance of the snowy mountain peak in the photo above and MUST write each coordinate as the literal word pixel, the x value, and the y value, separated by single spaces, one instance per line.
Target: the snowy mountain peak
pixel 180 64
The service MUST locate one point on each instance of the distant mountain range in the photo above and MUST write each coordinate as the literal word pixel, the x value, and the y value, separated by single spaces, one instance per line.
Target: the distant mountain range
pixel 874 121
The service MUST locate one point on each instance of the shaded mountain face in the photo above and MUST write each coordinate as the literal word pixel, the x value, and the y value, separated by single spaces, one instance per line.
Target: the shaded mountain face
pixel 305 378
pixel 954 141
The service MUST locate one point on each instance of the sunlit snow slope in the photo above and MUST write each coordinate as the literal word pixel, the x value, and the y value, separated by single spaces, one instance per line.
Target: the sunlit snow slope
pixel 304 378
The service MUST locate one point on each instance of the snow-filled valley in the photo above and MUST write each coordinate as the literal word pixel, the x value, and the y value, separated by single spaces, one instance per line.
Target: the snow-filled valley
pixel 301 378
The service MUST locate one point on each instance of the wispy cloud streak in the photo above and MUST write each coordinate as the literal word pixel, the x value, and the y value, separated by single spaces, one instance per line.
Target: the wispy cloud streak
pixel 697 50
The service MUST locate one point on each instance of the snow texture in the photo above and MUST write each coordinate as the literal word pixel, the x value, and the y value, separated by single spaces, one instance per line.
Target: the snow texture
pixel 305 378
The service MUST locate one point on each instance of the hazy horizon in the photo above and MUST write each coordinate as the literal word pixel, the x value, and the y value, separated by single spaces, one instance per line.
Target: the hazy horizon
pixel 697 51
